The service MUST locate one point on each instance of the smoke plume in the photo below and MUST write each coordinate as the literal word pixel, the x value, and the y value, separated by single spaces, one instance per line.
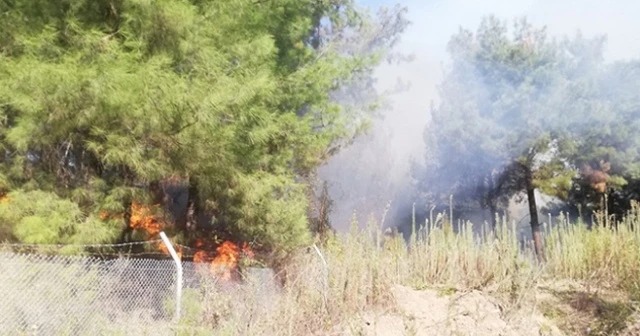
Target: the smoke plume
pixel 376 170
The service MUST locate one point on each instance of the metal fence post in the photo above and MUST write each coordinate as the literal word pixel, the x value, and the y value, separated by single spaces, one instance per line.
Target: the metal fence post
pixel 325 280
pixel 175 257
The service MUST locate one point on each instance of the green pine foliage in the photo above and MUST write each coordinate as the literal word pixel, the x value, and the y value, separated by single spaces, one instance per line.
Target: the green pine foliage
pixel 39 217
pixel 522 111
pixel 98 99
pixel 495 119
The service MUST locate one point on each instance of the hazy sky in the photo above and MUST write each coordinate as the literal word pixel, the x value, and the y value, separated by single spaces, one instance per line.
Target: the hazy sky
pixel 433 23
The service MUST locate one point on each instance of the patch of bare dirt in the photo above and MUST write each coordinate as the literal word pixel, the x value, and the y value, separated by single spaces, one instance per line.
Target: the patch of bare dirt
pixel 557 309
pixel 583 311
pixel 428 312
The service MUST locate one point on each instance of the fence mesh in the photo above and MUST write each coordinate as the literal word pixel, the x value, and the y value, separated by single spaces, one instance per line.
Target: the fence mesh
pixel 43 294
pixel 62 295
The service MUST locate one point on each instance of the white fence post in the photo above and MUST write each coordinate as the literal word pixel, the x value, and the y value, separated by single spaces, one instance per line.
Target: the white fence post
pixel 325 280
pixel 178 262
pixel 324 262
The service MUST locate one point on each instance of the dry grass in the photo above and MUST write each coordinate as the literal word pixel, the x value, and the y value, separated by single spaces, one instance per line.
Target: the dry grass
pixel 587 285
pixel 363 265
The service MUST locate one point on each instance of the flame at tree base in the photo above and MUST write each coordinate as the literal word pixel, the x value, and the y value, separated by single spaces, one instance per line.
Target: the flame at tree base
pixel 222 264
pixel 226 260
pixel 143 219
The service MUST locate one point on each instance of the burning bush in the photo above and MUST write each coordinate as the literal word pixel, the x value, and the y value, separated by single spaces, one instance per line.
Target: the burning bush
pixel 223 258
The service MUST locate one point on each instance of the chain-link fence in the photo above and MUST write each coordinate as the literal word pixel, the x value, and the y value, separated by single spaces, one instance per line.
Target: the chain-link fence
pixel 46 294
pixel 63 295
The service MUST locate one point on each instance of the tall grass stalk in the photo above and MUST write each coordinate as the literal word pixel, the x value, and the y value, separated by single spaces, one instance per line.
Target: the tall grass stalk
pixel 364 265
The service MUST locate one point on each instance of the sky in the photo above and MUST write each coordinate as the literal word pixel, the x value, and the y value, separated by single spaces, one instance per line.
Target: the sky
pixel 433 23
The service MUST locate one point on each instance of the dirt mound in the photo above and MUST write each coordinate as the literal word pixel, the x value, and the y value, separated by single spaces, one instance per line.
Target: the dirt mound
pixel 428 312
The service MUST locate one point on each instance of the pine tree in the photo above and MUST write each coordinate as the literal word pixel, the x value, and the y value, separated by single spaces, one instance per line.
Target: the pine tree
pixel 606 147
pixel 503 125
pixel 102 101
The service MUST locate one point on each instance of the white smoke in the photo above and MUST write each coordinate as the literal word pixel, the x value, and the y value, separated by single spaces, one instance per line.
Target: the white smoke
pixel 378 167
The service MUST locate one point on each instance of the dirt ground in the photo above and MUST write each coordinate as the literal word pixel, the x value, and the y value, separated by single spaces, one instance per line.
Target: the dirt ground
pixel 432 312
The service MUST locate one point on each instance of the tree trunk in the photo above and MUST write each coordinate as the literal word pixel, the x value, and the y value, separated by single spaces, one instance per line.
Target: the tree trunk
pixel 533 213
pixel 193 205
pixel 493 208
pixel 128 230
pixel 496 181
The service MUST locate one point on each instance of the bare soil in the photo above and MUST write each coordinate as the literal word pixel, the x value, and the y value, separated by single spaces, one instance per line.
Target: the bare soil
pixel 554 313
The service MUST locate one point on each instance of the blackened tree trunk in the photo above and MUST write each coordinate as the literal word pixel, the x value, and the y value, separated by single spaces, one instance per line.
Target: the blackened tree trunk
pixel 128 180
pixel 323 224
pixel 193 205
pixel 128 230
pixel 533 213
pixel 488 202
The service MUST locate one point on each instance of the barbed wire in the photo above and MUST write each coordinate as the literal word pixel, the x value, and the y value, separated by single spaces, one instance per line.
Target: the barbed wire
pixel 186 252
pixel 146 242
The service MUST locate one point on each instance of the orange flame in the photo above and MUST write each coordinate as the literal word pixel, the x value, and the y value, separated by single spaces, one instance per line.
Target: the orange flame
pixel 142 218
pixel 103 215
pixel 222 264
pixel 162 247
pixel 227 259
pixel 201 256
